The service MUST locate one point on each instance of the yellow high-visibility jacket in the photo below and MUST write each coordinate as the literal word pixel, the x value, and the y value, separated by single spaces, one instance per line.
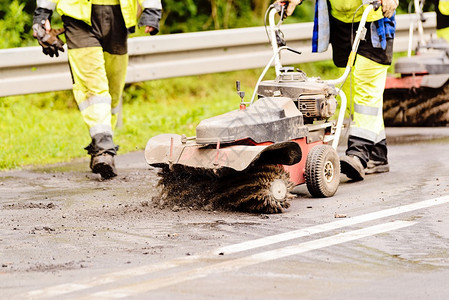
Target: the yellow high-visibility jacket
pixel 81 9
pixel 344 10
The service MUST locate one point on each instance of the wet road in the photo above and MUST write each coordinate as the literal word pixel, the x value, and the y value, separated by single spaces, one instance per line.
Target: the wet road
pixel 65 234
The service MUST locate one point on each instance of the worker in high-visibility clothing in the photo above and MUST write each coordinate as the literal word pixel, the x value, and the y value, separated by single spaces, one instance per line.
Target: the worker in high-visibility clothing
pixel 442 12
pixel 96 33
pixel 367 148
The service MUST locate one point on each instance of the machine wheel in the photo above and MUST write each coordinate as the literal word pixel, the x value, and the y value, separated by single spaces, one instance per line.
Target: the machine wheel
pixel 322 172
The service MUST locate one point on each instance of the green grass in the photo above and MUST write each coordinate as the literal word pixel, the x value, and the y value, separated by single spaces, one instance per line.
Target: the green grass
pixel 48 128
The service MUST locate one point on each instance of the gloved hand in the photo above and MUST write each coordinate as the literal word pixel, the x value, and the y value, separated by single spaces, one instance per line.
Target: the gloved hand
pixel 388 7
pixel 150 19
pixel 49 41
pixel 291 5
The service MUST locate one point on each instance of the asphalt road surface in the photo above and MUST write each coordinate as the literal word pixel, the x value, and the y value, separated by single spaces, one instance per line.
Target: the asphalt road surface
pixel 66 234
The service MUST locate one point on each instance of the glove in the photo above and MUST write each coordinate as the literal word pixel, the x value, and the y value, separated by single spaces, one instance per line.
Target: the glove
pixel 291 5
pixel 50 41
pixel 388 7
pixel 150 18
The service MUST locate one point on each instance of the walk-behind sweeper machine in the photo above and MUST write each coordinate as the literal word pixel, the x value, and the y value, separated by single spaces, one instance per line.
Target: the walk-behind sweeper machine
pixel 418 94
pixel 251 158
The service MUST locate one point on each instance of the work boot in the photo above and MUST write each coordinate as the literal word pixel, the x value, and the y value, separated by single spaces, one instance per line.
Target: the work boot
pixel 102 151
pixel 377 167
pixel 104 165
pixel 352 167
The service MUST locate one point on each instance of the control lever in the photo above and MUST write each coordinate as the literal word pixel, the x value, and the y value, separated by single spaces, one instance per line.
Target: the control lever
pixel 241 95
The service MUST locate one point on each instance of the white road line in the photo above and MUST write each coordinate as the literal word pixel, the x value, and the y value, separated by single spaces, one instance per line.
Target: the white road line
pixel 244 246
pixel 66 288
pixel 268 240
pixel 233 265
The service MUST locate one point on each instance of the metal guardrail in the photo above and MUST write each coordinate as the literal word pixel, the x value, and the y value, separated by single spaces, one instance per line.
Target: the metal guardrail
pixel 27 70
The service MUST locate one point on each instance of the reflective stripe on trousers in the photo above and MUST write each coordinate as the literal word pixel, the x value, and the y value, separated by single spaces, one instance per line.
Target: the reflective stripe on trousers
pixel 368 86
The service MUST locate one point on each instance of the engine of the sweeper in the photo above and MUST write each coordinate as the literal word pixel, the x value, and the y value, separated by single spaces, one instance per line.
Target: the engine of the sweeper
pixel 314 99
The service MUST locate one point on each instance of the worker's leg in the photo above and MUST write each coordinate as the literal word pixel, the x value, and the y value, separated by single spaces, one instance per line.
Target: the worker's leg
pixel 108 22
pixel 442 16
pixel 367 130
pixel 443 33
pixel 116 66
pixel 378 161
pixel 91 92
pixel 90 88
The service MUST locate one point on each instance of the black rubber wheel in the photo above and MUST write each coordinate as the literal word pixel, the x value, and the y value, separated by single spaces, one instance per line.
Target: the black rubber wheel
pixel 322 172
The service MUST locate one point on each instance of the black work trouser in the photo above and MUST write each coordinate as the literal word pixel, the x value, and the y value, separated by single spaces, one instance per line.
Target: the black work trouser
pixel 367 150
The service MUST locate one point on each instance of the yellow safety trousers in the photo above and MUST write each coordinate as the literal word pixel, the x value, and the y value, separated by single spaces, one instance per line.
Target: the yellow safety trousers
pixel 364 92
pixel 443 7
pixel 443 33
pixel 99 79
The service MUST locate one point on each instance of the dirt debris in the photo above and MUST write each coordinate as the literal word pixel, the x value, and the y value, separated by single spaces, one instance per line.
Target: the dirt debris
pixel 30 205
pixel 189 188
